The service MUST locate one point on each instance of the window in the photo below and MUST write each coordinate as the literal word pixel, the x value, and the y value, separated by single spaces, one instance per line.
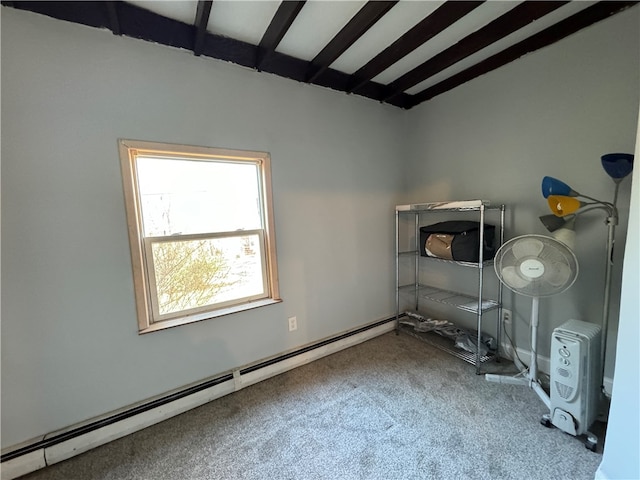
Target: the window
pixel 200 229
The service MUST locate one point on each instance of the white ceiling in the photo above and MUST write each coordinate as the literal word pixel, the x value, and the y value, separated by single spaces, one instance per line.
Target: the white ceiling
pixel 319 21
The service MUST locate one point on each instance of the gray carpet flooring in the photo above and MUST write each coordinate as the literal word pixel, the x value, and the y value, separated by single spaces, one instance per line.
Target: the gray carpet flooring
pixel 389 408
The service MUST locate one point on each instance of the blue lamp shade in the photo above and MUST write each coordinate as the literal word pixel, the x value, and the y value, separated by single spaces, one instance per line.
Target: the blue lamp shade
pixel 617 165
pixel 553 186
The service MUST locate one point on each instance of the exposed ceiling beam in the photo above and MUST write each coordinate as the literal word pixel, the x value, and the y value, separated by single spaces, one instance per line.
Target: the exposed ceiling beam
pixel 201 21
pixel 139 23
pixel 514 19
pixel 560 30
pixel 112 11
pixel 429 27
pixel 280 23
pixel 362 21
pixel 91 13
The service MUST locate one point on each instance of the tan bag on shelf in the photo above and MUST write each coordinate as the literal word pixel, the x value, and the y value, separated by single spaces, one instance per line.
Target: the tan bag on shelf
pixel 439 245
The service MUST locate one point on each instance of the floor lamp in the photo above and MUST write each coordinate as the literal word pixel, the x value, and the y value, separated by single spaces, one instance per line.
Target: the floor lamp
pixel 566 204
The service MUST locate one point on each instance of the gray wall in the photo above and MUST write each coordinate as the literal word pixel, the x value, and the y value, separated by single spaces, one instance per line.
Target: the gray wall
pixel 553 112
pixel 70 348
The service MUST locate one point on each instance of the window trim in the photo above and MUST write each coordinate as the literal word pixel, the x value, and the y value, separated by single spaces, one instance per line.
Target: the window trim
pixel 129 150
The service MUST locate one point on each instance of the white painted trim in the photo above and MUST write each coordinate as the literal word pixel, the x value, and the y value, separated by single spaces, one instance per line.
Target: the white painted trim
pixel 74 446
pixel 95 438
pixel 23 464
pixel 525 356
pixel 600 475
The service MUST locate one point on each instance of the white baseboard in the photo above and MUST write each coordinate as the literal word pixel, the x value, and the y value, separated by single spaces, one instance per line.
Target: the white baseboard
pixel 27 463
pixel 600 474
pixel 75 445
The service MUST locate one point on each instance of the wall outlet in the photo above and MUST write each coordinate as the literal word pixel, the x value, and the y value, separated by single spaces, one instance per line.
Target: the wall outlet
pixel 506 316
pixel 293 324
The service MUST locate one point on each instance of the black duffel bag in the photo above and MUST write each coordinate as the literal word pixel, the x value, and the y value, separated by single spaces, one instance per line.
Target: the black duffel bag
pixel 457 240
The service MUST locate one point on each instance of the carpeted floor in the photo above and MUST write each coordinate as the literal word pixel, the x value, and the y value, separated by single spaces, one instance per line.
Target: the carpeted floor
pixel 390 408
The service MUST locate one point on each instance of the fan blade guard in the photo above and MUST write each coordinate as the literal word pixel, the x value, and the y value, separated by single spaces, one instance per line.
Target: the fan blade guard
pixel 527 247
pixel 536 265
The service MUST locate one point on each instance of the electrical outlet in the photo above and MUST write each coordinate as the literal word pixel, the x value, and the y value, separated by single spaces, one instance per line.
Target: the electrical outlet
pixel 293 324
pixel 506 316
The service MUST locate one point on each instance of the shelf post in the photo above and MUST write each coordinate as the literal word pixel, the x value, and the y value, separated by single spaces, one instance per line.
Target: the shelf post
pixel 397 274
pixel 480 287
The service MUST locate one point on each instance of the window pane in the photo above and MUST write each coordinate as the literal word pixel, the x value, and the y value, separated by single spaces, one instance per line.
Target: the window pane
pixel 195 273
pixel 182 197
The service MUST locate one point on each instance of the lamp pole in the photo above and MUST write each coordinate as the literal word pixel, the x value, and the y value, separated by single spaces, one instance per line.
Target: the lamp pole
pixel 611 221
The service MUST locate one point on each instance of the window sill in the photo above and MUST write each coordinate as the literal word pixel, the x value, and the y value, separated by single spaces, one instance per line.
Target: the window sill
pixel 163 325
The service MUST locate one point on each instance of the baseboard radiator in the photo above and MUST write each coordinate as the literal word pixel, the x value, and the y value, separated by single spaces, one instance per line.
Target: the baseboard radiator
pixel 61 445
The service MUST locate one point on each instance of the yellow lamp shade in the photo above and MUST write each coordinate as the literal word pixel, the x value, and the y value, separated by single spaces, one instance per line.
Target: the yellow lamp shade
pixel 562 205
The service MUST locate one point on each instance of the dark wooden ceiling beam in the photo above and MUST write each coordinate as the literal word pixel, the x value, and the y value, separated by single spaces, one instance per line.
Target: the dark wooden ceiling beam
pixel 295 69
pixel 277 29
pixel 560 30
pixel 139 23
pixel 429 27
pixel 514 19
pixel 112 12
pixel 362 21
pixel 200 23
pixel 90 13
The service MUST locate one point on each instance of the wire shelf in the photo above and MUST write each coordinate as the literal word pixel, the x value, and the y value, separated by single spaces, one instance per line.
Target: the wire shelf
pixel 446 344
pixel 413 253
pixel 462 301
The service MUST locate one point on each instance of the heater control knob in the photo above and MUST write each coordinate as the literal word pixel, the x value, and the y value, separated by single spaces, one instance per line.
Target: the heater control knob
pixel 564 352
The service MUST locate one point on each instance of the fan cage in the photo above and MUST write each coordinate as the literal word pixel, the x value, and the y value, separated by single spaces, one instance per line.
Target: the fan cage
pixel 558 261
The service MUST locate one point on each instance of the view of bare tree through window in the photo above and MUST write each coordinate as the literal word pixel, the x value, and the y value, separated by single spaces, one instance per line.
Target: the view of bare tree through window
pixel 188 274
pixel 195 273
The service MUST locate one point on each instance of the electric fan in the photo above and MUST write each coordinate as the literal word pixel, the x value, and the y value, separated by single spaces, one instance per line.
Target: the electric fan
pixel 535 266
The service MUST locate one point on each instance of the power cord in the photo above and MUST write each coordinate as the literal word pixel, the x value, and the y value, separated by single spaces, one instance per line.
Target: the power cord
pixel 546 378
pixel 513 346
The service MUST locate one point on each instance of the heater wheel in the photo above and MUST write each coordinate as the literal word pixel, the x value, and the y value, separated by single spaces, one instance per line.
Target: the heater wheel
pixel 591 443
pixel 546 421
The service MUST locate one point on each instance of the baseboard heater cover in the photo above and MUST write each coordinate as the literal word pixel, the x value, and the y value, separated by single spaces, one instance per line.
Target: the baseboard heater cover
pixel 54 447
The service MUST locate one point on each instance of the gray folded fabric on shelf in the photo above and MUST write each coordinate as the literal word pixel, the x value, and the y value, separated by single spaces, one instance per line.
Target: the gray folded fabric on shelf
pixel 464 339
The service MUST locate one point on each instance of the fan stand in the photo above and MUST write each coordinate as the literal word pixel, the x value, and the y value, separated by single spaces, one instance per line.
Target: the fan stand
pixel 527 376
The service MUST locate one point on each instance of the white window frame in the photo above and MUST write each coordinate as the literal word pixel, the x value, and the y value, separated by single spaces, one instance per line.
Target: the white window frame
pixel 149 317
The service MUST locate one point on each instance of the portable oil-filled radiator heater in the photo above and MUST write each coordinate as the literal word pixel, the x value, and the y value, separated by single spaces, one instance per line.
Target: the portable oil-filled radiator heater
pixel 575 378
